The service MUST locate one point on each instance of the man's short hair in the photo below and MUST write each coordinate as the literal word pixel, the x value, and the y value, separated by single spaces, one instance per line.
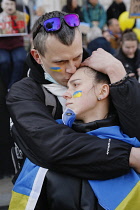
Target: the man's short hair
pixel 65 34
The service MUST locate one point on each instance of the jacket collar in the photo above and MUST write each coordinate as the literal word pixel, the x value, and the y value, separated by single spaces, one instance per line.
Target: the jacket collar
pixel 111 120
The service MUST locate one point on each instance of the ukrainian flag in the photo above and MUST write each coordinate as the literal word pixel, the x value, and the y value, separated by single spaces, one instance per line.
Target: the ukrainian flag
pixel 121 193
pixel 28 186
pixel 77 94
pixel 56 69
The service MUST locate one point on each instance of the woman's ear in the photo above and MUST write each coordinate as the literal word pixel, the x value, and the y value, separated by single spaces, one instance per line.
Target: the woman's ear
pixel 104 91
pixel 36 56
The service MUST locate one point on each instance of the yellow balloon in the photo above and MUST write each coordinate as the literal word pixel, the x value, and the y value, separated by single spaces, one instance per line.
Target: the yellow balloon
pixel 126 22
pixel 137 32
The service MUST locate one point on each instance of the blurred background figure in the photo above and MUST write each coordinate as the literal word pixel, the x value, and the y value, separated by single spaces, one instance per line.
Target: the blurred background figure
pixel 12 51
pixel 115 32
pixel 101 42
pixel 38 11
pixel 73 7
pixel 129 54
pixel 6 165
pixel 115 9
pixel 94 14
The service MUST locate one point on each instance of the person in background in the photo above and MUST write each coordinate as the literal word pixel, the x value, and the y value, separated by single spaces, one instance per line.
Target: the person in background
pixel 101 42
pixel 6 165
pixel 12 51
pixel 115 9
pixel 73 7
pixel 94 14
pixel 129 53
pixel 115 32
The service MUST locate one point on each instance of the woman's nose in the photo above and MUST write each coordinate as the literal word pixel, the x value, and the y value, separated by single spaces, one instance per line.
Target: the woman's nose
pixel 67 95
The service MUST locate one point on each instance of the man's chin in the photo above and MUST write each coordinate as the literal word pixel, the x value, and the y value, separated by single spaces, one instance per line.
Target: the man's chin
pixel 10 12
pixel 64 83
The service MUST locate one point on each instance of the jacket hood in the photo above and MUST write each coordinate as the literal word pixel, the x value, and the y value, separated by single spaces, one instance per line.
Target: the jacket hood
pixel 36 71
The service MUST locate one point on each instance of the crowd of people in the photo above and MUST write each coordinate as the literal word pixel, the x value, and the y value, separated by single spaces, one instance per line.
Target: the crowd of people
pixel 105 31
pixel 103 94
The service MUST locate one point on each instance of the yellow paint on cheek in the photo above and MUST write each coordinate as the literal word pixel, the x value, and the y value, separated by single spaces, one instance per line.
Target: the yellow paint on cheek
pixel 77 94
pixel 56 69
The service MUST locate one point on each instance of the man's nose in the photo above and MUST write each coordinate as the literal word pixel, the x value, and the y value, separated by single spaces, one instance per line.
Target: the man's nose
pixel 71 68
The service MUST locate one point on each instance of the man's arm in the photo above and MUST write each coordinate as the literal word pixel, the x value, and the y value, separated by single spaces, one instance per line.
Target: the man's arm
pixel 58 147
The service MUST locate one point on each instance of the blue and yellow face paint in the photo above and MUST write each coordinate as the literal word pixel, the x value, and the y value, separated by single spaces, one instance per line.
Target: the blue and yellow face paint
pixel 56 69
pixel 77 94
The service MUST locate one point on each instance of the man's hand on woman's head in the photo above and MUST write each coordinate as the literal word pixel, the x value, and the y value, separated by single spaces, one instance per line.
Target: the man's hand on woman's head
pixel 106 63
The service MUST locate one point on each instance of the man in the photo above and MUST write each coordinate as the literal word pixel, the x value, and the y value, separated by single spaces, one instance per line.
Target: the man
pixel 12 51
pixel 56 54
pixel 115 32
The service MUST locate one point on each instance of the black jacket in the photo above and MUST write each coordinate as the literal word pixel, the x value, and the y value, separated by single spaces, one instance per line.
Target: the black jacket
pixel 130 64
pixel 115 10
pixel 68 192
pixel 58 147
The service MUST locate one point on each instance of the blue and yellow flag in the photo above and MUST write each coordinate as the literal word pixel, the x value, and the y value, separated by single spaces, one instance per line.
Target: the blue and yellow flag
pixel 28 186
pixel 121 193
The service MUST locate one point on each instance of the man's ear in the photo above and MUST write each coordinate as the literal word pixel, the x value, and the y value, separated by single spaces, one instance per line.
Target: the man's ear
pixel 36 56
pixel 104 91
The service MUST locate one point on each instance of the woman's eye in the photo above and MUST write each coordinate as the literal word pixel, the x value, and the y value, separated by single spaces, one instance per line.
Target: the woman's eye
pixel 75 85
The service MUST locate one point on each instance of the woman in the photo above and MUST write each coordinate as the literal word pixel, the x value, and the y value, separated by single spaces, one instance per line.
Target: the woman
pixel 90 104
pixel 73 7
pixel 129 54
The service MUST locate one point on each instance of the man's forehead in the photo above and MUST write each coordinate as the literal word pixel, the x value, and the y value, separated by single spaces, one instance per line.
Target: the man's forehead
pixel 61 51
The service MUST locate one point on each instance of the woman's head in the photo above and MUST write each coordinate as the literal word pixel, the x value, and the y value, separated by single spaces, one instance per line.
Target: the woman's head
pixel 129 43
pixel 87 94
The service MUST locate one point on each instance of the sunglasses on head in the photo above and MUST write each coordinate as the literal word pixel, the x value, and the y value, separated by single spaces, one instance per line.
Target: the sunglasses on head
pixel 54 24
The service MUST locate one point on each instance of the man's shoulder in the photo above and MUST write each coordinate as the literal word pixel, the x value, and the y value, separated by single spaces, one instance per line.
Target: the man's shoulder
pixel 26 89
pixel 25 81
pixel 26 84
